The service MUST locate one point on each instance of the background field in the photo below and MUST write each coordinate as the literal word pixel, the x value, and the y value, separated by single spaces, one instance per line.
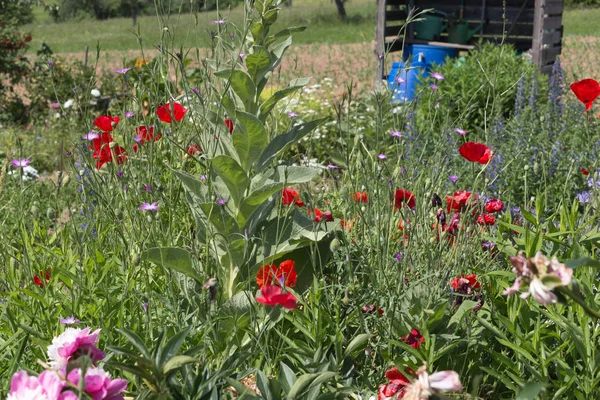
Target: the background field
pixel 330 48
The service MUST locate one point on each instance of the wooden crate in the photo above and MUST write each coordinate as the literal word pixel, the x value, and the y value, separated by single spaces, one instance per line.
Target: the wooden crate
pixel 527 24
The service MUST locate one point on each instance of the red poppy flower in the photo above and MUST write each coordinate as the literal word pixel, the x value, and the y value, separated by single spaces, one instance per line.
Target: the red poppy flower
pixel 404 195
pixel 470 280
pixel 475 152
pixel 360 197
pixel 320 215
pixel 458 200
pixel 284 276
pixel 146 134
pixel 165 114
pixel 290 196
pixel 271 296
pixel 37 279
pixel 585 171
pixel 414 339
pixel 494 205
pixel 193 149
pixel 586 91
pixel 486 219
pixel 106 123
pixel 229 125
pixel 396 386
pixel 103 152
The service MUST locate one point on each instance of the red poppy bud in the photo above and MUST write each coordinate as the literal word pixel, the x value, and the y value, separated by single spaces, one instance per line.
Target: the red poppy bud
pixel 229 125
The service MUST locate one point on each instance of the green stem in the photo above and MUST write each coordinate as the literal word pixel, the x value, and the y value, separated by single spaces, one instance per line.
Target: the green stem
pixel 579 300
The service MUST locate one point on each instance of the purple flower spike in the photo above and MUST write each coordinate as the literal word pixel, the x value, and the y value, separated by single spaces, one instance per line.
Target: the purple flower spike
pixel 149 206
pixel 453 178
pixel 69 321
pixel 122 71
pixel 90 136
pixel 460 131
pixel 148 188
pixel 145 306
pixel 397 134
pixel 437 76
pixel 20 162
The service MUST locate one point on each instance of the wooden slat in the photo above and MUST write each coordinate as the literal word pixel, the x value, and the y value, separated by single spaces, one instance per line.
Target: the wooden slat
pixel 552 23
pixel 552 37
pixel 553 10
pixel 395 15
pixel 498 29
pixel 425 4
pixel 394 30
pixel 547 69
pixel 549 54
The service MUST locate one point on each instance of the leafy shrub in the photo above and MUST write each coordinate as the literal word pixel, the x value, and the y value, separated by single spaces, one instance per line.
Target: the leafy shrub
pixel 477 88
pixel 13 64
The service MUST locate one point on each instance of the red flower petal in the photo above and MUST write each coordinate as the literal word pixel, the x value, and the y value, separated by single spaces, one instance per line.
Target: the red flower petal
pixel 404 195
pixel 229 125
pixel 106 123
pixel 587 91
pixel 475 152
pixel 165 114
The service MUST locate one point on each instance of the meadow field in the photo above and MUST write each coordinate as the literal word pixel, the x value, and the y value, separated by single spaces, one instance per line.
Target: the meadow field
pixel 226 207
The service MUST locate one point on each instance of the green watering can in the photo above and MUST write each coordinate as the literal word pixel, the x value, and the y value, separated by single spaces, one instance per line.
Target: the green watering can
pixel 460 33
pixel 431 26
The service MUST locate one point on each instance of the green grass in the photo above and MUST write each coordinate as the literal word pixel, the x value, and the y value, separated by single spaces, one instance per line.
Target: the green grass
pixel 582 22
pixel 119 33
pixel 319 15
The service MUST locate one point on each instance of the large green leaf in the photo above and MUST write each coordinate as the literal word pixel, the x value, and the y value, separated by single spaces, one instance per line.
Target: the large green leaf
pixel 270 182
pixel 271 102
pixel 280 142
pixel 530 391
pixel 242 85
pixel 173 258
pixel 258 63
pixel 307 381
pixel 249 141
pixel 233 175
pixel 283 33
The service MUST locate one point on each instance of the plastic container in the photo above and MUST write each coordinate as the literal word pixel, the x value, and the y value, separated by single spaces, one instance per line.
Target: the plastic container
pixel 429 54
pixel 403 79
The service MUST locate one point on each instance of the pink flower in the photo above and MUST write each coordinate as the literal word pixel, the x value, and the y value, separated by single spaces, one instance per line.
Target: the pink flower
pixel 271 296
pixel 90 136
pixel 47 386
pixel 437 76
pixel 72 343
pixel 122 71
pixel 461 132
pixel 20 162
pixel 539 276
pixel 427 385
pixel 97 384
pixel 69 321
pixel 149 206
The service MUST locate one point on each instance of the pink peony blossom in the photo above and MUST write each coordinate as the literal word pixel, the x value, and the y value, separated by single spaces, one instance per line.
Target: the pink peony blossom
pixel 47 386
pixel 72 343
pixel 98 384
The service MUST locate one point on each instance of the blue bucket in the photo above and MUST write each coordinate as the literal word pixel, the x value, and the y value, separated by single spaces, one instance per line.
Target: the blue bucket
pixel 403 79
pixel 429 54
